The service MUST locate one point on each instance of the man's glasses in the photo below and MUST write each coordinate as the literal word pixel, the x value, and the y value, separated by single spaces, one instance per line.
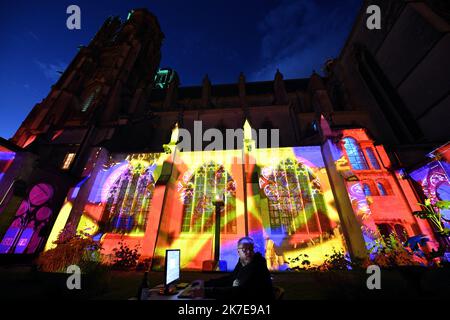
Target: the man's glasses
pixel 244 249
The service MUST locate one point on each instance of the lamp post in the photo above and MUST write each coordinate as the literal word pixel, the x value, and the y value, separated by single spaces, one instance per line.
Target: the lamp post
pixel 218 203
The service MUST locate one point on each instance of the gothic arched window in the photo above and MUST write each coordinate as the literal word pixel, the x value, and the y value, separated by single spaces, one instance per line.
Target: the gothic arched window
pixel 296 202
pixel 355 154
pixel 198 191
pixel 366 190
pixel 373 160
pixel 90 98
pixel 381 189
pixel 400 230
pixel 128 201
pixel 385 230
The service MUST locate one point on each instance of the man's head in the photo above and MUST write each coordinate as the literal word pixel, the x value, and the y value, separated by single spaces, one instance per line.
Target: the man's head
pixel 245 250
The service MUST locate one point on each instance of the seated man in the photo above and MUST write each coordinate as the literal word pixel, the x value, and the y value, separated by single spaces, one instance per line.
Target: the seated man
pixel 250 279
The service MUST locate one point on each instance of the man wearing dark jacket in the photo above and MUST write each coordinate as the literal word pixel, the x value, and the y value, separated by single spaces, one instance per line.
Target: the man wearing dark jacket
pixel 250 279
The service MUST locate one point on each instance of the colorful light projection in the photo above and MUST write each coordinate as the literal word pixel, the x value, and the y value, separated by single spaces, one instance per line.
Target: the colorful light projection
pixel 6 159
pixel 129 199
pixel 23 236
pixel 360 204
pixel 435 183
pixel 198 191
pixel 349 159
pixel 119 201
pixel 58 226
pixel 294 195
pixel 296 207
pixel 355 154
pixel 188 215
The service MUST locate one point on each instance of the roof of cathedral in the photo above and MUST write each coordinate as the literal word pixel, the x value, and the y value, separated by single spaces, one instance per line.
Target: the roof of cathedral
pixel 232 90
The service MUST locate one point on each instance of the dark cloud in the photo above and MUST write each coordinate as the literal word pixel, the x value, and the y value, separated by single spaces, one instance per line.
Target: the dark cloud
pixel 298 36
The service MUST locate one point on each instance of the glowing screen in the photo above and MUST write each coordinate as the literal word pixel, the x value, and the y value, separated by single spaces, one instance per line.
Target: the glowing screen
pixel 172 266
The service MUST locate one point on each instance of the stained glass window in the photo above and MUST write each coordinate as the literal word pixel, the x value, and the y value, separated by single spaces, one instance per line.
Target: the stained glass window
pixel 88 101
pixel 128 202
pixel 366 189
pixel 198 193
pixel 68 159
pixel 296 202
pixel 373 160
pixel 355 154
pixel 381 189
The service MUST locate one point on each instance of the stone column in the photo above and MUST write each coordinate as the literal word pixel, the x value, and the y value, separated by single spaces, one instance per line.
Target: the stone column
pixel 350 225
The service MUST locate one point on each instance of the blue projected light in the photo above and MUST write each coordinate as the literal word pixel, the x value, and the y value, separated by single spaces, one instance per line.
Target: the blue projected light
pixel 6 156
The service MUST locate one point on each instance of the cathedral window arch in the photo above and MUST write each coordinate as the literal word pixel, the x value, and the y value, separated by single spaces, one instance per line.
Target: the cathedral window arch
pixel 383 187
pixel 89 99
pixel 295 198
pixel 366 190
pixel 198 191
pixel 372 158
pixel 129 198
pixel 369 188
pixel 385 230
pixel 354 154
pixel 401 232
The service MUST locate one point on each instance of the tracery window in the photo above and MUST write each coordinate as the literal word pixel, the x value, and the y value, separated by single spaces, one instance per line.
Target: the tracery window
pixel 373 160
pixel 385 230
pixel 381 189
pixel 366 190
pixel 355 154
pixel 198 192
pixel 128 201
pixel 88 101
pixel 296 201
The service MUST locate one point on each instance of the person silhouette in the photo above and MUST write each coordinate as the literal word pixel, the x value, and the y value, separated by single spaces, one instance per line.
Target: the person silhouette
pixel 250 279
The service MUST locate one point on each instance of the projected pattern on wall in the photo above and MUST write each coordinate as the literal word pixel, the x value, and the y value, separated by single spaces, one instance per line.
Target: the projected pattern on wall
pixel 295 198
pixel 198 192
pixel 129 200
pixel 435 184
pixel 33 214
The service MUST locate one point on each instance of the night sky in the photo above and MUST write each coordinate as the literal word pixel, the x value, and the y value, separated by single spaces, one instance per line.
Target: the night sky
pixel 220 38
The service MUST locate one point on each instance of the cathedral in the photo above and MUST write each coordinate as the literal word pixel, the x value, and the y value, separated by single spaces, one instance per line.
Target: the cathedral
pixel 344 160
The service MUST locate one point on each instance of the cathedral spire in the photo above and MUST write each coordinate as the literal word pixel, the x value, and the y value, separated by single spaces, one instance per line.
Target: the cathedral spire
pixel 279 89
pixel 206 92
pixel 172 92
pixel 241 89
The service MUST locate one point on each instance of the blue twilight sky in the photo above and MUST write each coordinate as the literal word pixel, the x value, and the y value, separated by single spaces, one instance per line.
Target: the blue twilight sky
pixel 219 37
